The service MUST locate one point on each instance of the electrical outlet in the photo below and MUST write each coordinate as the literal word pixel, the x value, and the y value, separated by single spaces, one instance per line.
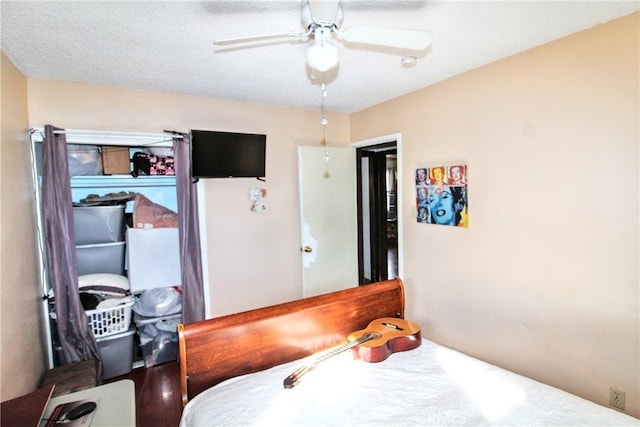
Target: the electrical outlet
pixel 616 397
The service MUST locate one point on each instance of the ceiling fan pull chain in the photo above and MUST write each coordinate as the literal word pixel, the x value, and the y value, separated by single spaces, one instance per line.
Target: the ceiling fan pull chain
pixel 324 121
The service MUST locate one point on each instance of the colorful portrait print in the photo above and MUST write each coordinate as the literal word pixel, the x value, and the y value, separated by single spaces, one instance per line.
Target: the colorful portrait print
pixel 441 195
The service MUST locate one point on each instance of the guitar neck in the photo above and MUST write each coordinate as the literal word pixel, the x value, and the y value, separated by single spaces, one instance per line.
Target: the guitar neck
pixel 293 379
pixel 341 349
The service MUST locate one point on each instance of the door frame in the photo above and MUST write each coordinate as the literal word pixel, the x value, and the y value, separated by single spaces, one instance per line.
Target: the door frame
pixel 383 140
pixel 373 227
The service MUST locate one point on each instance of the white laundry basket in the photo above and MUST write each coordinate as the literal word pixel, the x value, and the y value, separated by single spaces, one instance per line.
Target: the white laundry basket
pixel 110 321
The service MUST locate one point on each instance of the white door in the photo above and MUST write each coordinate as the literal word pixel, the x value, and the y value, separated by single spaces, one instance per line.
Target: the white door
pixel 328 219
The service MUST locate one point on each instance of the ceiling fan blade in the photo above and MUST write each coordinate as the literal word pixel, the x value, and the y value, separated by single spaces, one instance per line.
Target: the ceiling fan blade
pixel 390 37
pixel 250 39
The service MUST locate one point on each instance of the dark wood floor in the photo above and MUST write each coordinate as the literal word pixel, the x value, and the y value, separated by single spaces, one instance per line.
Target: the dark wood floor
pixel 158 400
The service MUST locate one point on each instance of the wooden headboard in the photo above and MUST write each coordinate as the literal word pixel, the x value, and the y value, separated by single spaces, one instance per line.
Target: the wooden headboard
pixel 216 349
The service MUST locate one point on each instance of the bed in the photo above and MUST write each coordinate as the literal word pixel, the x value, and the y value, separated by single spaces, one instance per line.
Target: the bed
pixel 233 370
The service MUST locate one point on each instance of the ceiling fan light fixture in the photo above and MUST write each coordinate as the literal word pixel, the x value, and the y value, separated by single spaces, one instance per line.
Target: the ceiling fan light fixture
pixel 322 57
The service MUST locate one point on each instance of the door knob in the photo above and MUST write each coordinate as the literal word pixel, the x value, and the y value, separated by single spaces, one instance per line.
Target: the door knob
pixel 307 249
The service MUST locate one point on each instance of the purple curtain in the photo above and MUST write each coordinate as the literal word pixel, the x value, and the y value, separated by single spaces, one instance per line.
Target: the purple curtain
pixel 189 232
pixel 76 339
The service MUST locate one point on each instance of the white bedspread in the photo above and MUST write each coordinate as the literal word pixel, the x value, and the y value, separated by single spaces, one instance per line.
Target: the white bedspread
pixel 428 386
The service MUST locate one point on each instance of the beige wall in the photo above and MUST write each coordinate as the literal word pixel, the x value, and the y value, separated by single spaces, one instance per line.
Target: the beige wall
pixel 253 258
pixel 545 279
pixel 22 344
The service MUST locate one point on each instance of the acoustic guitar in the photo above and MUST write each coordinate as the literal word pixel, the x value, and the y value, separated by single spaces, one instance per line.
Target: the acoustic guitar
pixel 375 343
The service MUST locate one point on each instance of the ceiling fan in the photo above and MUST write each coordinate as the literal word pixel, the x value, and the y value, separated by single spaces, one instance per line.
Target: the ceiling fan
pixel 321 20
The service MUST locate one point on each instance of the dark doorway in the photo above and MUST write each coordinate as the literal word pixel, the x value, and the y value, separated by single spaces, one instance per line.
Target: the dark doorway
pixel 377 212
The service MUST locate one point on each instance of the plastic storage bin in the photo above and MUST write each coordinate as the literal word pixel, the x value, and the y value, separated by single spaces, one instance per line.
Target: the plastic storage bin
pixel 158 338
pixel 98 224
pixel 84 159
pixel 110 321
pixel 101 258
pixel 116 352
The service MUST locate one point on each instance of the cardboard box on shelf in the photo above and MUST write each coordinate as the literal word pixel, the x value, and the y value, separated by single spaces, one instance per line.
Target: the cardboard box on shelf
pixel 115 160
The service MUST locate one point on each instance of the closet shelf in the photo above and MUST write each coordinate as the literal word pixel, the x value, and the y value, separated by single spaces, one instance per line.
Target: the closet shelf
pixel 120 181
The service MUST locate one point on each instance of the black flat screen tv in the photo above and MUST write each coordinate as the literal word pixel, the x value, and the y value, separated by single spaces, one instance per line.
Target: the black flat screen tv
pixel 216 154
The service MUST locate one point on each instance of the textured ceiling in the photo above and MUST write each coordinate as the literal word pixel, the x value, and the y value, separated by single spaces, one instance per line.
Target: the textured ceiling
pixel 167 45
